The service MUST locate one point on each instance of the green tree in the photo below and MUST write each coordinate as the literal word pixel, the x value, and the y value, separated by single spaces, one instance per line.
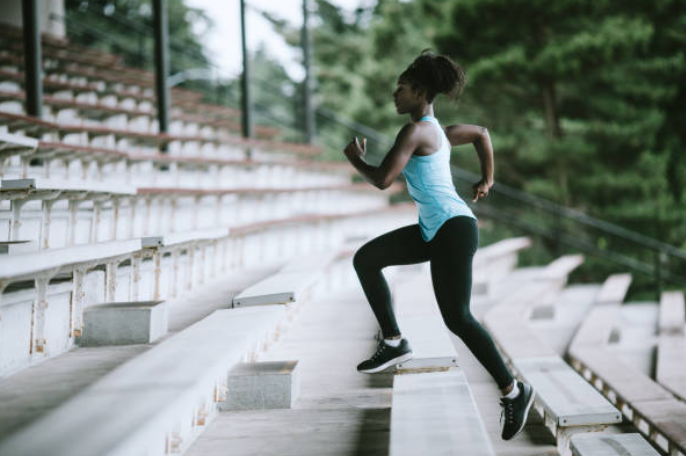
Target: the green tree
pixel 125 28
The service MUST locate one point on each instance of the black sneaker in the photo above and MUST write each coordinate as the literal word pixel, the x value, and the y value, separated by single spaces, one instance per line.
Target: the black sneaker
pixel 386 356
pixel 515 411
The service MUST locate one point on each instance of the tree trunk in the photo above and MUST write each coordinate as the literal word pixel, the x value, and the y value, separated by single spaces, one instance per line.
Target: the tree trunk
pixel 555 132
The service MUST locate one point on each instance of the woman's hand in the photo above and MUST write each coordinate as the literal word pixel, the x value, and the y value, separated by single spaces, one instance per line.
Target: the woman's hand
pixel 354 149
pixel 480 189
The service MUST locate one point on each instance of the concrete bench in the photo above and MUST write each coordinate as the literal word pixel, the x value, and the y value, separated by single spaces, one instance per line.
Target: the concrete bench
pixel 124 323
pixel 567 403
pixel 262 386
pixel 435 414
pixel 631 444
pixel 158 402
pixel 495 261
pixel 671 351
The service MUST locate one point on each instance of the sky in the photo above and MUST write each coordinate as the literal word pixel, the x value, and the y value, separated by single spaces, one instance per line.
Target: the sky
pixel 224 41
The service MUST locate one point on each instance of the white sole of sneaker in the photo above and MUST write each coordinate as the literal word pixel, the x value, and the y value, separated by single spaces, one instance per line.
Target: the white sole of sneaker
pixel 526 413
pixel 387 364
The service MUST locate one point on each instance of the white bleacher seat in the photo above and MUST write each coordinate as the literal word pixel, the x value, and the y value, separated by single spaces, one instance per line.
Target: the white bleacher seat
pixel 671 350
pixel 290 284
pixel 11 144
pixel 158 402
pixel 435 414
pixel 631 444
pixel 37 317
pixel 614 289
pixel 567 402
pixel 184 237
pixel 652 408
pixel 495 261
pixel 27 266
pixel 35 185
pixel 50 191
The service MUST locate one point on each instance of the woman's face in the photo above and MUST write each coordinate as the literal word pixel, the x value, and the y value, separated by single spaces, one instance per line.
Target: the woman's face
pixel 405 97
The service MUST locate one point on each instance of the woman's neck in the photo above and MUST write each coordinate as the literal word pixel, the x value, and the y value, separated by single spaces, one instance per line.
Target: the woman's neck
pixel 422 111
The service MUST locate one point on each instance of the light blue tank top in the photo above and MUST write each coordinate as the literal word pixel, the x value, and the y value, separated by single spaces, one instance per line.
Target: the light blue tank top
pixel 430 185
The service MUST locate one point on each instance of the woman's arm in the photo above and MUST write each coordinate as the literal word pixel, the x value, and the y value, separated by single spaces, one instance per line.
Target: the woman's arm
pixel 393 163
pixel 464 134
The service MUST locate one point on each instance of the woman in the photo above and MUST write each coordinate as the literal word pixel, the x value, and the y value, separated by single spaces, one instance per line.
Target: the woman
pixel 447 233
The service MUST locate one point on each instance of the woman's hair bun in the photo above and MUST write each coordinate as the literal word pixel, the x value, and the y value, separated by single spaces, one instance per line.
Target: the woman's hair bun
pixel 435 73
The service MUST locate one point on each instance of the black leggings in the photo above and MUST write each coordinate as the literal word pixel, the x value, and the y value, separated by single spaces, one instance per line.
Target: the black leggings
pixel 450 252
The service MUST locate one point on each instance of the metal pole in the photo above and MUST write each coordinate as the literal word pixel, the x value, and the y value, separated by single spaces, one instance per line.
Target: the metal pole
pixel 32 59
pixel 307 59
pixel 658 274
pixel 246 102
pixel 161 31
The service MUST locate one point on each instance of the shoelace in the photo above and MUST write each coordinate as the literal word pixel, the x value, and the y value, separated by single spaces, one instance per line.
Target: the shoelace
pixel 381 347
pixel 507 412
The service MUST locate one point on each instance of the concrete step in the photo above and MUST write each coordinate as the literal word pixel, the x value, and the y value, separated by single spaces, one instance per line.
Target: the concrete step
pixel 35 391
pixel 158 402
pixel 435 413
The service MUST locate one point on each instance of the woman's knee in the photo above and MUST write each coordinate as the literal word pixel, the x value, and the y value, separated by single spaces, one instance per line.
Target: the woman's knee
pixel 462 324
pixel 363 260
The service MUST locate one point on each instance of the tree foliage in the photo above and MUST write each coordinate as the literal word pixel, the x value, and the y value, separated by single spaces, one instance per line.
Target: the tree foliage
pixel 584 99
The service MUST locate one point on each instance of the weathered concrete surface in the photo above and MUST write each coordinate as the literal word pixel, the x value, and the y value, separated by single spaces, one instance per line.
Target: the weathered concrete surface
pixel 342 412
pixel 125 323
pixel 262 386
pixel 30 393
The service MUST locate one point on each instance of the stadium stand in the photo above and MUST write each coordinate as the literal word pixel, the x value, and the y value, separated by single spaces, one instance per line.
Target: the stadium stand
pixel 99 210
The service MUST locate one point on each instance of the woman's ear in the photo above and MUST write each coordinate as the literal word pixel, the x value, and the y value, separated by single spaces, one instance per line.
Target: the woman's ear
pixel 420 93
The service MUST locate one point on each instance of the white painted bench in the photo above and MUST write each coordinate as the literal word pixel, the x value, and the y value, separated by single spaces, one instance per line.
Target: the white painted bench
pixel 495 261
pixel 435 414
pixel 41 268
pixel 567 403
pixel 180 262
pixel 158 402
pixel 671 351
pixel 653 409
pixel 291 284
pixel 11 145
pixel 507 319
pixel 599 326
pixel 631 444
pixel 49 192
